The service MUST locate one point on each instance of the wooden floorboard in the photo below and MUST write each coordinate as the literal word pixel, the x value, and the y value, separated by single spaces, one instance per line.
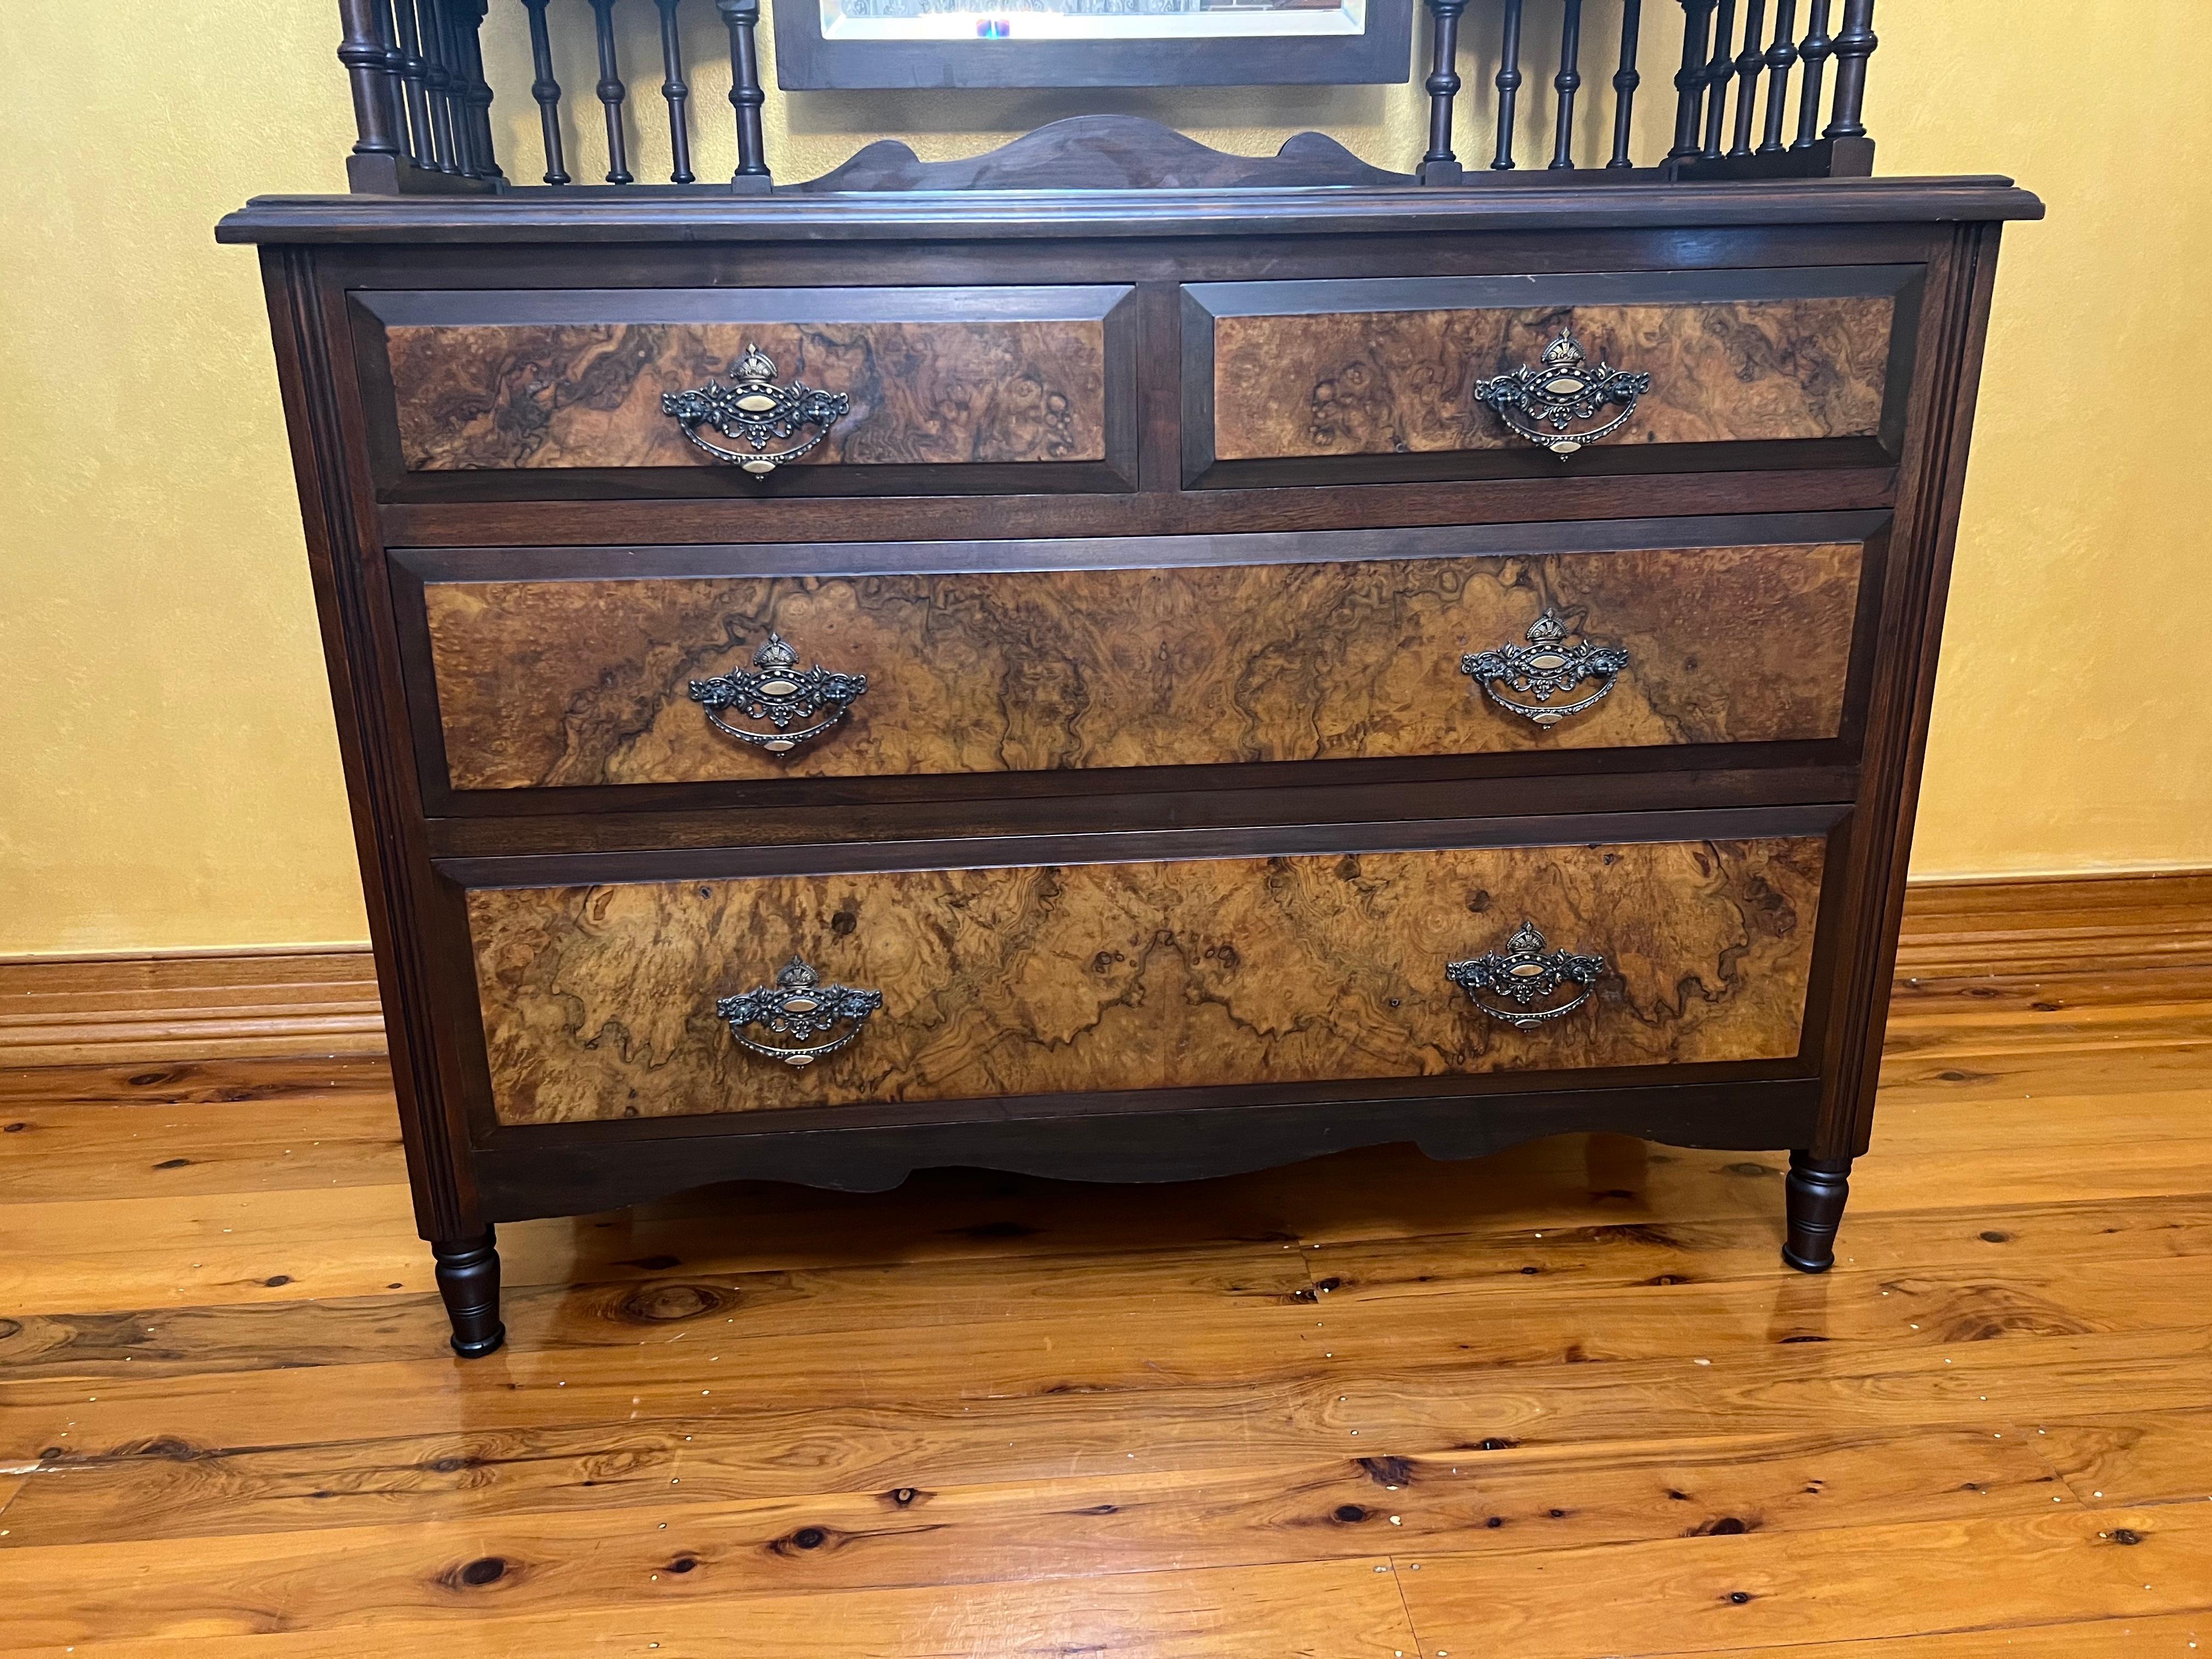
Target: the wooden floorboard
pixel 1558 1404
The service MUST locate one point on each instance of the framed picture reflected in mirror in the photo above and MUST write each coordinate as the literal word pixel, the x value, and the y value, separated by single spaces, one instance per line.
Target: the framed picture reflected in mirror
pixel 885 44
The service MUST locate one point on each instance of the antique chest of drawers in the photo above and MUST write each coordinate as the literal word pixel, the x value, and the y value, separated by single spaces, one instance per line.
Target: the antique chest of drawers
pixel 1127 684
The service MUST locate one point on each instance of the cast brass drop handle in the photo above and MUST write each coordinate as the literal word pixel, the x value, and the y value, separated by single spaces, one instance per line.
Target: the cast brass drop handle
pixel 793 704
pixel 781 1021
pixel 1552 402
pixel 1523 679
pixel 752 409
pixel 1509 984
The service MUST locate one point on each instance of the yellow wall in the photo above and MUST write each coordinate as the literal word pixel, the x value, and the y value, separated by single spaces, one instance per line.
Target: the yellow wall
pixel 169 776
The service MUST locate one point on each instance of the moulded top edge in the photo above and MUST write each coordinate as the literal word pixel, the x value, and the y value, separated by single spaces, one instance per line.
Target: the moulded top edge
pixel 547 215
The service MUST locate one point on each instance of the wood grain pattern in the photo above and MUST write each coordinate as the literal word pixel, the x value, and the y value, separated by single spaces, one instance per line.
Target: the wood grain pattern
pixel 598 1001
pixel 1383 382
pixel 473 396
pixel 546 684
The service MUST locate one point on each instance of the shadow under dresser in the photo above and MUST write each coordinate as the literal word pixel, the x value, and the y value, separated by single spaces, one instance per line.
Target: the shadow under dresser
pixel 1127 684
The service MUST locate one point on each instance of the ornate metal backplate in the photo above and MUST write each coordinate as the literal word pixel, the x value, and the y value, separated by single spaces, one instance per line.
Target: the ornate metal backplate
pixel 796 1009
pixel 753 409
pixel 1544 668
pixel 797 704
pixel 1524 974
pixel 1552 402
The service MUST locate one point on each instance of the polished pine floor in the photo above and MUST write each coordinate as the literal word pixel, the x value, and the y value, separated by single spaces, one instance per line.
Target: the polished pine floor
pixel 1559 1404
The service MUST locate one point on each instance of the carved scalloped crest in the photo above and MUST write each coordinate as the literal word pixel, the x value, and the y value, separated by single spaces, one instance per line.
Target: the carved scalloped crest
pixel 1104 152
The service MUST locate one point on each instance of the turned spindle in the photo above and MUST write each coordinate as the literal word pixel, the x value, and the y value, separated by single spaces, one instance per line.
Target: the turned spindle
pixel 1749 62
pixel 1813 51
pixel 1624 82
pixel 1566 84
pixel 364 51
pixel 1720 69
pixel 1781 54
pixel 612 93
pixel 547 91
pixel 1508 84
pixel 1690 79
pixel 746 97
pixel 1855 44
pixel 1441 166
pixel 677 93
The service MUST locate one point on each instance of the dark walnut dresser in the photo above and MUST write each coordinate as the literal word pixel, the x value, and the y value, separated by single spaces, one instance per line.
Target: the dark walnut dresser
pixel 1120 661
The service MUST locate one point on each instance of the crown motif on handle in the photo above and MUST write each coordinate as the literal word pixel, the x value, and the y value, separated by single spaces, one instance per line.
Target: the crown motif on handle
pixel 1544 668
pixel 753 409
pixel 795 705
pixel 794 1011
pixel 756 367
pixel 1524 974
pixel 1546 401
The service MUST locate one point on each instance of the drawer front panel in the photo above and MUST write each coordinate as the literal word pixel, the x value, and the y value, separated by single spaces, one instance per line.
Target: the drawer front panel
pixel 953 378
pixel 600 1002
pixel 1390 367
pixel 586 682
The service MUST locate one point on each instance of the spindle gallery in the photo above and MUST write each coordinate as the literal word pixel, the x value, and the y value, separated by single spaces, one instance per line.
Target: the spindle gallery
pixel 1753 96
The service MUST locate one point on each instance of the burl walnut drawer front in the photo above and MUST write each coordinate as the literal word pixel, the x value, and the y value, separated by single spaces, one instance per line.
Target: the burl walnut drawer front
pixel 751 994
pixel 1321 647
pixel 1425 377
pixel 757 382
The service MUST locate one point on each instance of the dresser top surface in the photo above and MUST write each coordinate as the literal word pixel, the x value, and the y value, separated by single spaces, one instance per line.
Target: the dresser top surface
pixel 634 215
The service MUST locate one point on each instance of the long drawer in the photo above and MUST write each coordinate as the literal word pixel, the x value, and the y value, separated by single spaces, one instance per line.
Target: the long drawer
pixel 545 670
pixel 752 995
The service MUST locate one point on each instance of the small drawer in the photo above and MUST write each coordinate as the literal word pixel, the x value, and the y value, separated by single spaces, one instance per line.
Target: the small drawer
pixel 672 998
pixel 1406 378
pixel 655 667
pixel 776 389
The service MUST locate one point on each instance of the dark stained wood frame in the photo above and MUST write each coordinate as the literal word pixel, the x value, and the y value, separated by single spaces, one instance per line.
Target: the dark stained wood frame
pixel 1205 303
pixel 806 61
pixel 415 855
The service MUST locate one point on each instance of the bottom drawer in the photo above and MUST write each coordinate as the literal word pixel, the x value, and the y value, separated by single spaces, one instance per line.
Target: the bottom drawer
pixel 601 1001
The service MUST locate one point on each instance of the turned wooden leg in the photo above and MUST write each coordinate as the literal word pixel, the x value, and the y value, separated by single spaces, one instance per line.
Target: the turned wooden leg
pixel 1817 1188
pixel 468 1279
